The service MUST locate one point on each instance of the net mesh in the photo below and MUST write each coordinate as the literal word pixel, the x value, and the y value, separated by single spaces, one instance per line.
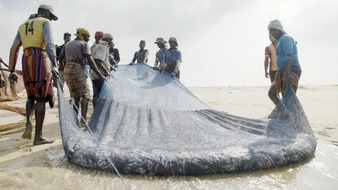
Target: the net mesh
pixel 147 122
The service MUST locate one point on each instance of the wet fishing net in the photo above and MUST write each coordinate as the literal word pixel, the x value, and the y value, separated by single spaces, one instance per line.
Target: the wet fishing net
pixel 147 122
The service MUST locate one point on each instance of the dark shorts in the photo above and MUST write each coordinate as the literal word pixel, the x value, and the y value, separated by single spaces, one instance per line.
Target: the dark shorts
pixel 97 86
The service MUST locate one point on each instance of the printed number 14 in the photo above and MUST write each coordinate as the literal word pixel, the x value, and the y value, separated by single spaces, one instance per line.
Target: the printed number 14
pixel 29 28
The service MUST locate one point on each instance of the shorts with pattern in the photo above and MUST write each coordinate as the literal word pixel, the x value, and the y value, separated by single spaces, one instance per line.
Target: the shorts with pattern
pixel 76 80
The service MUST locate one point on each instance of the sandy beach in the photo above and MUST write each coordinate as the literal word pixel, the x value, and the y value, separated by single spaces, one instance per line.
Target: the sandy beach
pixel 319 104
pixel 22 165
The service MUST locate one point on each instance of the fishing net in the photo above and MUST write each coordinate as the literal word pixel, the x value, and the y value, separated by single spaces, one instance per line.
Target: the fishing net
pixel 147 122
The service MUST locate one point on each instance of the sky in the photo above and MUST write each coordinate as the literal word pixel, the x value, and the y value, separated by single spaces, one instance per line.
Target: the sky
pixel 222 41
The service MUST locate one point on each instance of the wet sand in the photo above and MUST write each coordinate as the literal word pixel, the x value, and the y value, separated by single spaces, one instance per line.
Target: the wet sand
pixel 24 166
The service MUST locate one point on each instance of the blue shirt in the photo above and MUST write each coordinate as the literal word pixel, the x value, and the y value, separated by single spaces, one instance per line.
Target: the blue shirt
pixel 286 49
pixel 172 56
pixel 160 55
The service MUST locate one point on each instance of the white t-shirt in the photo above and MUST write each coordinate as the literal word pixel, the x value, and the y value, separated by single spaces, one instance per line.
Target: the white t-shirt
pixel 101 52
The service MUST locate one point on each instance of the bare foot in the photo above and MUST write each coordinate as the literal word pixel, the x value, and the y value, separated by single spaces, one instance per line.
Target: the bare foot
pixel 42 140
pixel 83 125
pixel 27 134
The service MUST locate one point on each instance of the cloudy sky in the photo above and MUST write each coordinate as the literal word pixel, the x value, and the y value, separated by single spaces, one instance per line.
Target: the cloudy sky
pixel 222 41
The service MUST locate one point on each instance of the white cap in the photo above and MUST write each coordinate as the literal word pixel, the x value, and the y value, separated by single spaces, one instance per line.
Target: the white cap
pixel 50 9
pixel 107 35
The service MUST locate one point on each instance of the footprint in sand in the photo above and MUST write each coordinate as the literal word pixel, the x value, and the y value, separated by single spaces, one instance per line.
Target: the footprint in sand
pixel 323 133
pixel 25 148
pixel 330 128
pixel 335 143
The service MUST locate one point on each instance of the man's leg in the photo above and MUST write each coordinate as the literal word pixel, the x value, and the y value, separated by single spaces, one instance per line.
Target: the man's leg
pixel 97 86
pixel 27 134
pixel 84 109
pixel 77 104
pixel 273 95
pixel 95 99
pixel 40 111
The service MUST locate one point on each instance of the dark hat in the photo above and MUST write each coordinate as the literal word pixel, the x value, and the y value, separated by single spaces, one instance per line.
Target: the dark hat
pixel 160 40
pixel 66 34
pixel 173 39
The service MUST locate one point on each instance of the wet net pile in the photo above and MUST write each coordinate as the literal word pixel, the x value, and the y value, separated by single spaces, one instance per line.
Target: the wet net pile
pixel 147 122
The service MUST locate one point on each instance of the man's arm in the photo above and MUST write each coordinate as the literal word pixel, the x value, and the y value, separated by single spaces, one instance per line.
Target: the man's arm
pixel 156 61
pixel 288 47
pixel 13 56
pixel 146 54
pixel 93 66
pixel 266 62
pixel 101 67
pixel 61 59
pixel 178 62
pixel 48 37
pixel 117 55
pixel 288 66
pixel 134 58
pixel 99 56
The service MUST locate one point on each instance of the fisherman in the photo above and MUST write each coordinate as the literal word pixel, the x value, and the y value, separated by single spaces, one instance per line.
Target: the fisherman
pixel 66 39
pixel 270 66
pixel 100 54
pixel 160 54
pixel 38 63
pixel 140 56
pixel 114 55
pixel 289 70
pixel 76 52
pixel 173 59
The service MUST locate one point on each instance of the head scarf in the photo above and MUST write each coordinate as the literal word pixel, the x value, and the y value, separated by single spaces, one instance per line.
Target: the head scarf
pixel 276 24
pixel 81 31
pixel 99 33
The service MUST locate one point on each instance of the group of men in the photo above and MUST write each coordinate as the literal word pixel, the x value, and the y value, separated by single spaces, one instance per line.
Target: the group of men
pixel 40 61
pixel 102 52
pixel 166 59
